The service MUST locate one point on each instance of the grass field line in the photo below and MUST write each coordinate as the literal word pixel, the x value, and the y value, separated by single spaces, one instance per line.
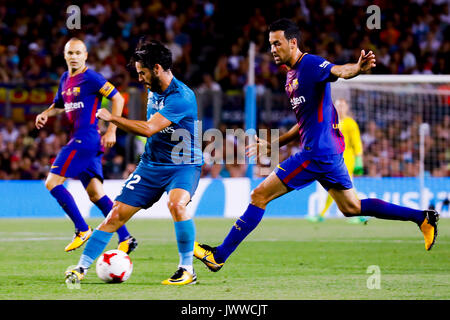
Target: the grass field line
pixel 27 233
pixel 36 238
pixel 33 239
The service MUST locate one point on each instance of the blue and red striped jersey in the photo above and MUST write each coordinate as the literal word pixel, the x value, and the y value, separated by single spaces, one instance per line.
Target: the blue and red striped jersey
pixel 81 96
pixel 309 93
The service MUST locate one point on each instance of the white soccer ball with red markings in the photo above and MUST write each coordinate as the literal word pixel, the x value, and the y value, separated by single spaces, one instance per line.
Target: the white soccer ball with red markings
pixel 114 266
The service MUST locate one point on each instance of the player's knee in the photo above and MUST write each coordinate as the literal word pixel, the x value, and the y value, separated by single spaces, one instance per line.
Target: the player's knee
pixel 258 198
pixel 50 184
pixel 350 209
pixel 346 213
pixel 114 219
pixel 176 208
pixel 94 196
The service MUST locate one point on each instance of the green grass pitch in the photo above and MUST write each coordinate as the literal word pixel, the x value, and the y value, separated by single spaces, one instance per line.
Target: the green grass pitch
pixel 283 259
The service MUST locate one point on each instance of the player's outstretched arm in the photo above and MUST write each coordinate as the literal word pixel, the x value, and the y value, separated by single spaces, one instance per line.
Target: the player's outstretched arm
pixel 350 70
pixel 109 138
pixel 289 136
pixel 42 118
pixel 264 146
pixel 138 127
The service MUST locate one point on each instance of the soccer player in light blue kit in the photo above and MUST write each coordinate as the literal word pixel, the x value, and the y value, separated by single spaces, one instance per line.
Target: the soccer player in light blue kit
pixel 167 165
pixel 79 95
pixel 321 144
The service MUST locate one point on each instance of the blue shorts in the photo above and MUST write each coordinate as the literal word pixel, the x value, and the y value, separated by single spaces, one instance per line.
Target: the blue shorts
pixel 299 170
pixel 83 164
pixel 146 184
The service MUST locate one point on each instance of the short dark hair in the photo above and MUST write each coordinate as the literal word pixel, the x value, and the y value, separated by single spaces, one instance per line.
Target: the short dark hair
pixel 290 29
pixel 152 52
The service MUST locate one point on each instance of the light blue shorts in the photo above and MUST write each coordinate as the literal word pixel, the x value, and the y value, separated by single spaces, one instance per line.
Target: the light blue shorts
pixel 146 184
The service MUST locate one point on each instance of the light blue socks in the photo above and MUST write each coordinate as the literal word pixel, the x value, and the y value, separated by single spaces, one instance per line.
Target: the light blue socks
pixel 94 247
pixel 185 234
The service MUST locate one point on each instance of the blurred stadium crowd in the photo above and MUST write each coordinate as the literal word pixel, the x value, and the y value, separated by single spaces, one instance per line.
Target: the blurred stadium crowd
pixel 209 41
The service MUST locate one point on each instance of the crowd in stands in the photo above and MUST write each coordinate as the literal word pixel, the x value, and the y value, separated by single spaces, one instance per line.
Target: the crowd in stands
pixel 209 41
pixel 395 151
pixel 413 36
pixel 27 153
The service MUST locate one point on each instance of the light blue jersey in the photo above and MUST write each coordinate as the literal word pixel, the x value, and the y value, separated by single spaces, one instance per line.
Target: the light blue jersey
pixel 179 143
pixel 172 158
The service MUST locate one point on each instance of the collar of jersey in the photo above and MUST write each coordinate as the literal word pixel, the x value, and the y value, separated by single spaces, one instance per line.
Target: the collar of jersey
pixel 299 59
pixel 84 70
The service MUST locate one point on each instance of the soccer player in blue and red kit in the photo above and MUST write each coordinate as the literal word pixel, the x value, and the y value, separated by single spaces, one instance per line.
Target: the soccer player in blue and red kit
pixel 80 95
pixel 321 143
pixel 167 165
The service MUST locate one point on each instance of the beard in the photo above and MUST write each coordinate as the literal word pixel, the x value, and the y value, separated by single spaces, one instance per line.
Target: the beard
pixel 155 83
pixel 74 68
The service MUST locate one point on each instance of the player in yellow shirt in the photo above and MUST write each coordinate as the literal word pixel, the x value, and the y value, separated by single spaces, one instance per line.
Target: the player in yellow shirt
pixel 352 154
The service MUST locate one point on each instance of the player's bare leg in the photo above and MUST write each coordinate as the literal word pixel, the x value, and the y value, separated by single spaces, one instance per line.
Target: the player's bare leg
pixel 185 235
pixel 97 195
pixel 269 189
pixel 350 205
pixel 95 190
pixel 347 201
pixel 100 238
pixel 178 200
pixel 118 216
pixel 55 184
pixel 54 180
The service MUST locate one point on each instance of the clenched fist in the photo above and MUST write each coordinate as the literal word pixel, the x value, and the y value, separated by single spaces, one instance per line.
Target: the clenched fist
pixel 104 114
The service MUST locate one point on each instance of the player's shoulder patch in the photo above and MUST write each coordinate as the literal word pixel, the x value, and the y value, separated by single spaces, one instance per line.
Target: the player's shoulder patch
pixel 318 61
pixel 324 64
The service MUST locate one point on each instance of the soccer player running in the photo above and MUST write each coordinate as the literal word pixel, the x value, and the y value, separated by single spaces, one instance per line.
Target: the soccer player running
pixel 321 143
pixel 352 155
pixel 171 109
pixel 79 95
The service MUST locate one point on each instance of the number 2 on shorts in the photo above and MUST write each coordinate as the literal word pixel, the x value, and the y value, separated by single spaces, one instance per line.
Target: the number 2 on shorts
pixel 133 180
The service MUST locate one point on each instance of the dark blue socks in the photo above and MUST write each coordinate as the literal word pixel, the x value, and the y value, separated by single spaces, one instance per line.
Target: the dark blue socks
pixel 253 215
pixel 241 228
pixel 68 204
pixel 384 210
